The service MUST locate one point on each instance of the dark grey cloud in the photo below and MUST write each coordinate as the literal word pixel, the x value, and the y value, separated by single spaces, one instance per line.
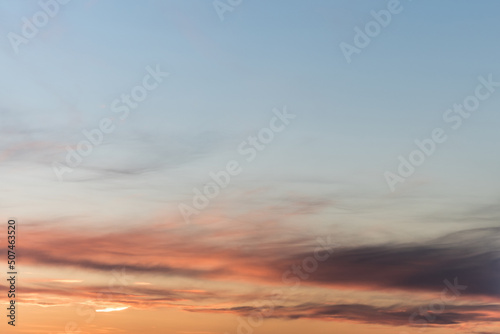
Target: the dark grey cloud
pixel 472 256
pixel 395 315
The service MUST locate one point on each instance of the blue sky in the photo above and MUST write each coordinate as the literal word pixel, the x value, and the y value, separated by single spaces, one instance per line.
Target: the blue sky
pixel 324 172
pixel 353 120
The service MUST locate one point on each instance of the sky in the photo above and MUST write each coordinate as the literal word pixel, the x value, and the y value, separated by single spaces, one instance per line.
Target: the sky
pixel 234 166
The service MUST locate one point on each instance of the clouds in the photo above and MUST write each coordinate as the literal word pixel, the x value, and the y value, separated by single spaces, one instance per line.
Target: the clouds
pixel 395 315
pixel 208 254
pixel 118 209
pixel 475 260
pixel 473 256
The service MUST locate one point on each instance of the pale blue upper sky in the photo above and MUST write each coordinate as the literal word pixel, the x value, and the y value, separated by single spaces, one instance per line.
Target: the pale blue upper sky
pixel 353 120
